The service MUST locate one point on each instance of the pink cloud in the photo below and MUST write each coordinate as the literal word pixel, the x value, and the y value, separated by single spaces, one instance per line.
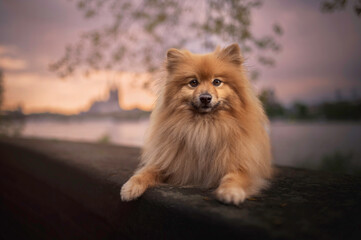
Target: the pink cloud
pixel 8 63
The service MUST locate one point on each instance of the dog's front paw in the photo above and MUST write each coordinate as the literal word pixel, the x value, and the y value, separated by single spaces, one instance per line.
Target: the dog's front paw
pixel 231 195
pixel 132 190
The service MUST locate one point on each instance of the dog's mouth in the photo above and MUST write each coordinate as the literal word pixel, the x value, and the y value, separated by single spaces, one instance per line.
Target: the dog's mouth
pixel 205 108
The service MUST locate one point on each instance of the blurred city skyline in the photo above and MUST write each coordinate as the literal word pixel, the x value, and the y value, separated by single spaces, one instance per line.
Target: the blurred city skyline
pixel 321 55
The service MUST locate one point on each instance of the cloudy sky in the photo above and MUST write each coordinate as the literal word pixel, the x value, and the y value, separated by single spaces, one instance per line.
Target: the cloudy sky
pixel 321 53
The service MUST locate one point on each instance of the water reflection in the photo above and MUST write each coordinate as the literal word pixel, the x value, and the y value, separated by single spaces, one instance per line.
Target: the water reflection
pixel 130 133
pixel 302 144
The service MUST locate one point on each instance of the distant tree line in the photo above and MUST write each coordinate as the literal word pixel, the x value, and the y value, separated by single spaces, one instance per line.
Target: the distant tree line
pixel 339 109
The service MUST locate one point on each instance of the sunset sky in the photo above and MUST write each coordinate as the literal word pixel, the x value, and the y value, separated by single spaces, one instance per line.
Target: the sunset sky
pixel 320 54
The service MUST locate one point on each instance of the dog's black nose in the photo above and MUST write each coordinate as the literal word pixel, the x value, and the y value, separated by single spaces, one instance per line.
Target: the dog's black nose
pixel 205 98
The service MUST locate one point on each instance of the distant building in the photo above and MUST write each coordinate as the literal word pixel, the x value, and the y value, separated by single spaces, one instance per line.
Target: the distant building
pixel 109 106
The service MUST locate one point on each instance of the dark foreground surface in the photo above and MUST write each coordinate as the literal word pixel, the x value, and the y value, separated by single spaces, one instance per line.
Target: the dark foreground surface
pixel 68 190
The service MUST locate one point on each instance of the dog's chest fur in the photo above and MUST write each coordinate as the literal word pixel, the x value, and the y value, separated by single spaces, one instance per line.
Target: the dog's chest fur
pixel 202 153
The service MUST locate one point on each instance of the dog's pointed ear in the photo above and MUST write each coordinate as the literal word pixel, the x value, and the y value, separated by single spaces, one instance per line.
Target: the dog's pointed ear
pixel 174 56
pixel 232 53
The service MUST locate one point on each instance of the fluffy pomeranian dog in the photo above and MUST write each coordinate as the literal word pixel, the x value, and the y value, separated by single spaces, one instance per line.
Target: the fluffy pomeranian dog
pixel 207 129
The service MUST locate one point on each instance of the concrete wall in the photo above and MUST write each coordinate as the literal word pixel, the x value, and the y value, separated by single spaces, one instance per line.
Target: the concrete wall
pixel 69 190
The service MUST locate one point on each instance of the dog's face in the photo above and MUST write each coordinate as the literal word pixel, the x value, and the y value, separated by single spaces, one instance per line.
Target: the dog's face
pixel 205 83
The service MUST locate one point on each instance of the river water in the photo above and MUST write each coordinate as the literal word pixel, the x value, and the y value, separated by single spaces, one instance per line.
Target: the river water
pixel 300 144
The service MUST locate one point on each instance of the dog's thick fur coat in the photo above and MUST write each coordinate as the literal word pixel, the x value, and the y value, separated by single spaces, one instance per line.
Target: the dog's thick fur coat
pixel 219 142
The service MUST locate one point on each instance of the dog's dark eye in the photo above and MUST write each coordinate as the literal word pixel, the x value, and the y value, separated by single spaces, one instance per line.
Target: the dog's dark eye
pixel 193 83
pixel 216 82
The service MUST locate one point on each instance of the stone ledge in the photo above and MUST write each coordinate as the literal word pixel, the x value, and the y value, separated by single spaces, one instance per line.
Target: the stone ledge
pixel 67 190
